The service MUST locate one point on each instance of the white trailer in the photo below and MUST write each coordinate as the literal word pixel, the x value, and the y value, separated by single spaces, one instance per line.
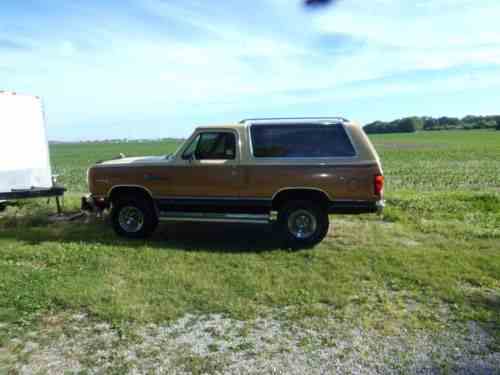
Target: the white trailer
pixel 25 170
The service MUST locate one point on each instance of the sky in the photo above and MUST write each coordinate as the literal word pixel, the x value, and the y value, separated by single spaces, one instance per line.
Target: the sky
pixel 159 68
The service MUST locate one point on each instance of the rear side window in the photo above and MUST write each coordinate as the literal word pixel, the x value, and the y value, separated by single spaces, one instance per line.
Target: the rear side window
pixel 300 141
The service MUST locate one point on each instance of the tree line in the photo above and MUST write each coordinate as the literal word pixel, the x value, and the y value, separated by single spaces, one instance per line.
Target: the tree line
pixel 412 124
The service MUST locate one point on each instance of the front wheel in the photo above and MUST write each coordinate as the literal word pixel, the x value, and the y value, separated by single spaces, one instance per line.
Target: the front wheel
pixel 303 224
pixel 133 217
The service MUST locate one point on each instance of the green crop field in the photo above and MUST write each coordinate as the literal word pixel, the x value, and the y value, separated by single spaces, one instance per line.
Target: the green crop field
pixel 70 161
pixel 432 261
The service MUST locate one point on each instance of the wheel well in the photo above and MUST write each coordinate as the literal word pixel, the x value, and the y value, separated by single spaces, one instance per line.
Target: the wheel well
pixel 313 195
pixel 128 190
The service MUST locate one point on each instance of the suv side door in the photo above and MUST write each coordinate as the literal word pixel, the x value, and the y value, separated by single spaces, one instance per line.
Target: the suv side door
pixel 209 166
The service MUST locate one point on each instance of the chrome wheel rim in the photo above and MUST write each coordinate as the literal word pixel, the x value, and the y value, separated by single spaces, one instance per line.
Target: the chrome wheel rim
pixel 302 224
pixel 131 219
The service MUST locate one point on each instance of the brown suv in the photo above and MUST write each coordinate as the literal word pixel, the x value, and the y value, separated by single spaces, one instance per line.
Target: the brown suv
pixel 301 169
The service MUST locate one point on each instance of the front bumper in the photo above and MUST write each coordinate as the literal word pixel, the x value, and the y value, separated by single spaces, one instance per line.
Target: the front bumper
pixel 92 204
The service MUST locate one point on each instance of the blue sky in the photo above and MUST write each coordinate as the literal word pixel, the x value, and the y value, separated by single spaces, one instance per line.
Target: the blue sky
pixel 152 68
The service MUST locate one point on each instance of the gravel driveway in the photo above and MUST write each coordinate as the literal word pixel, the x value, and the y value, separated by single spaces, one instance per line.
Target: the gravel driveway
pixel 214 344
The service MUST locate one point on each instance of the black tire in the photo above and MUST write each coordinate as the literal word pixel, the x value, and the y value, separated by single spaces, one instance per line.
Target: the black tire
pixel 140 210
pixel 296 237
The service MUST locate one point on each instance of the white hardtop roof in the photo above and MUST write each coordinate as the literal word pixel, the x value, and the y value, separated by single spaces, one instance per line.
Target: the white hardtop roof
pixel 281 121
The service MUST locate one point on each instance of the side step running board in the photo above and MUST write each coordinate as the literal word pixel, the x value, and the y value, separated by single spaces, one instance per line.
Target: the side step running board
pixel 215 217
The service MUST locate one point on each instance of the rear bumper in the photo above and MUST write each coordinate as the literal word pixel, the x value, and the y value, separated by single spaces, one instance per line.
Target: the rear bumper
pixel 356 207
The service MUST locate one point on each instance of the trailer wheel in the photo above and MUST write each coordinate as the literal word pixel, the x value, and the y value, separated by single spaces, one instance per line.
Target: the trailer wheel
pixel 133 216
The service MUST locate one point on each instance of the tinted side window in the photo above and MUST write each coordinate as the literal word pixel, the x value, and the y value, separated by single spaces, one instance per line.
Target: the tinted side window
pixel 300 141
pixel 216 146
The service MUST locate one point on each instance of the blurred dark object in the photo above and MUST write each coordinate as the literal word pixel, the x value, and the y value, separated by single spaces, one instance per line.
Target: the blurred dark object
pixel 318 3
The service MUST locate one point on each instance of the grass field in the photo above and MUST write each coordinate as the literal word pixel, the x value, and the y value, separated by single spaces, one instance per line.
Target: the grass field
pixel 432 260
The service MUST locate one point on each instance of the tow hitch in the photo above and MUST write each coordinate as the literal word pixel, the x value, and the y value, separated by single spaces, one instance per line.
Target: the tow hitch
pixel 93 205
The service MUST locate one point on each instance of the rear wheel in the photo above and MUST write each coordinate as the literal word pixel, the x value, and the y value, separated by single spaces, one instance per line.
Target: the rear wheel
pixel 133 216
pixel 303 224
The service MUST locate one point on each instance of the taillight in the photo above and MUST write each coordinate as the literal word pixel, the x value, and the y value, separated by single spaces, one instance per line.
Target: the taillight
pixel 379 185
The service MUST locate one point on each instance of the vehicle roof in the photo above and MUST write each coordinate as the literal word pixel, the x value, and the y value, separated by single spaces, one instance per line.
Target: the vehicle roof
pixel 281 121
